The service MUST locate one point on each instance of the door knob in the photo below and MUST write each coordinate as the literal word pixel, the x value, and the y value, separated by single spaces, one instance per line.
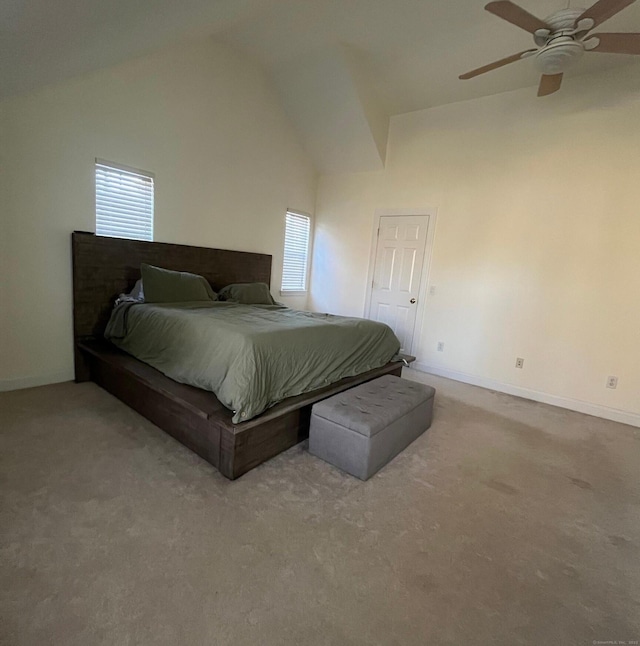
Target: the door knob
pixel 412 301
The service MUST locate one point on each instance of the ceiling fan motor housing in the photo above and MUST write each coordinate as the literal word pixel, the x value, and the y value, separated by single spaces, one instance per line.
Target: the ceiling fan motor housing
pixel 563 20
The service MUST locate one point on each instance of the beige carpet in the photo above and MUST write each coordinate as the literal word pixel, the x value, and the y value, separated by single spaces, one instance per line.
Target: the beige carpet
pixel 509 522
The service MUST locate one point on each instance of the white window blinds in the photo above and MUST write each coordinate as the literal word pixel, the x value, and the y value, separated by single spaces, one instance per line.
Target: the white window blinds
pixel 124 202
pixel 296 252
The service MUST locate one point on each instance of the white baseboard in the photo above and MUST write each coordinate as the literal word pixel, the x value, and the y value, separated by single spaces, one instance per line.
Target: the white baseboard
pixel 32 382
pixel 613 414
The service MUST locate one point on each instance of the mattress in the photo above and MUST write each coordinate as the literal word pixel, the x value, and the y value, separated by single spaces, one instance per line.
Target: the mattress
pixel 250 356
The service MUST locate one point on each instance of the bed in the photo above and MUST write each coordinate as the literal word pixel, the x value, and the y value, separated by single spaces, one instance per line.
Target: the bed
pixel 105 267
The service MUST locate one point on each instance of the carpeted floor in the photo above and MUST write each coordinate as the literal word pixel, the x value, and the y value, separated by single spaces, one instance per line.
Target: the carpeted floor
pixel 509 522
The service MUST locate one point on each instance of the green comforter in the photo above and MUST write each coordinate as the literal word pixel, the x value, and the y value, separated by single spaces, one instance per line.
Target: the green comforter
pixel 250 356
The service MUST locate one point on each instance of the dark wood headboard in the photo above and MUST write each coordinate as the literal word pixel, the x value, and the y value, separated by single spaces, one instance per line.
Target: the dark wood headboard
pixel 104 267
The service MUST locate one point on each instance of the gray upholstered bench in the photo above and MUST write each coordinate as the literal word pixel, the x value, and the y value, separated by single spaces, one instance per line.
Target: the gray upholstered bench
pixel 361 429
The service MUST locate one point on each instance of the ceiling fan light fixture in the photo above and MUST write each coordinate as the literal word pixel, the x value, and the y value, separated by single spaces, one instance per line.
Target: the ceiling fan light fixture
pixel 559 55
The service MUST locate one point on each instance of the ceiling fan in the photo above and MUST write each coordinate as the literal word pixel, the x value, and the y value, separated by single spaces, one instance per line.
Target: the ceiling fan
pixel 562 38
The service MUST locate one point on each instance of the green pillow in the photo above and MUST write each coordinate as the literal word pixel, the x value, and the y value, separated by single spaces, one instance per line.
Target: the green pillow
pixel 166 286
pixel 248 294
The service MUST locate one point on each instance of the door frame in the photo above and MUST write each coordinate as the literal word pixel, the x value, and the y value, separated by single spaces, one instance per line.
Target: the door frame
pixel 425 276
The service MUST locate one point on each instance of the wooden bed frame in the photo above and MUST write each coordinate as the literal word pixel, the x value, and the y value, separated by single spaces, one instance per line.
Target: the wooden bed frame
pixel 105 267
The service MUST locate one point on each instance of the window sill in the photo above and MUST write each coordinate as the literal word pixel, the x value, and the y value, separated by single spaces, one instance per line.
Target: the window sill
pixel 293 293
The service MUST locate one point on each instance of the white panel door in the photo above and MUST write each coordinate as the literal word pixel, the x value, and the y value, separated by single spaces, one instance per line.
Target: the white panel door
pixel 398 273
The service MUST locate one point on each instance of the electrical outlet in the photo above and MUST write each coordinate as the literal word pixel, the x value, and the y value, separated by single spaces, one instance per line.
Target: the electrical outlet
pixel 440 346
pixel 432 290
pixel 519 362
pixel 612 382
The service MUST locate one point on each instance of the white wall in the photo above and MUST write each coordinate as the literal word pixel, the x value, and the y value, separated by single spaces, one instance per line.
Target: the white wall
pixel 206 122
pixel 537 248
pixel 333 118
pixel 4 247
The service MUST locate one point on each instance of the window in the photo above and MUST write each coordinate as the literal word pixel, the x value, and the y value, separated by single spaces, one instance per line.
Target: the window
pixel 124 202
pixel 296 252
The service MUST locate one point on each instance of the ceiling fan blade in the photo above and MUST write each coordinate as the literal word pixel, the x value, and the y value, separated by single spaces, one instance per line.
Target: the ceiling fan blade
pixel 604 9
pixel 516 16
pixel 616 43
pixel 494 66
pixel 549 83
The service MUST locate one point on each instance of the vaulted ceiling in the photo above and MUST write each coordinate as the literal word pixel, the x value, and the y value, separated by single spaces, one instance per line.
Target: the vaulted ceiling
pixel 341 67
